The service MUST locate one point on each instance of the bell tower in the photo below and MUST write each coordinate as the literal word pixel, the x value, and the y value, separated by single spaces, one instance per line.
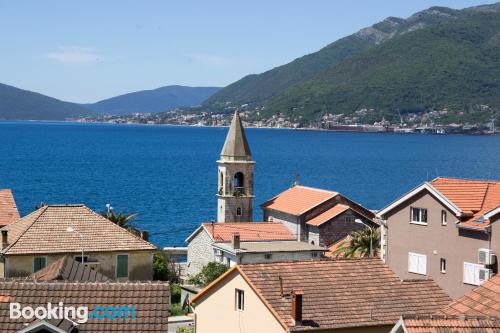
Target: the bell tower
pixel 235 176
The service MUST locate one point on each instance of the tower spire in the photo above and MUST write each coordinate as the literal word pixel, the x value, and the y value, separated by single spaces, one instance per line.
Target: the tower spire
pixel 236 146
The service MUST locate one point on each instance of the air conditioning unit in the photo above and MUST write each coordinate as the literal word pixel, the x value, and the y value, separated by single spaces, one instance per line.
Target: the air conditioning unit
pixel 484 274
pixel 486 257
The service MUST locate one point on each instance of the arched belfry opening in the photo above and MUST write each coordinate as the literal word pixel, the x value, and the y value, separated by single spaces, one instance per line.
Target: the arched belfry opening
pixel 239 183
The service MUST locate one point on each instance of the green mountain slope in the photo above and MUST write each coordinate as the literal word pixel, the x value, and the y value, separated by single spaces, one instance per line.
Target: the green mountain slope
pixel 258 88
pixel 454 65
pixel 19 104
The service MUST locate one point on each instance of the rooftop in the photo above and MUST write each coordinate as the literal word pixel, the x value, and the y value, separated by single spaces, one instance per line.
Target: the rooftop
pixel 440 324
pixel 328 215
pixel 249 231
pixel 236 145
pixel 151 302
pixel 274 246
pixel 67 269
pixel 298 200
pixel 8 208
pixel 44 231
pixel 481 301
pixel 339 293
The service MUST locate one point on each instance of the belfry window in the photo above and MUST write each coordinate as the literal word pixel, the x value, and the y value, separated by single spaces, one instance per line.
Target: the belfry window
pixel 239 184
pixel 238 211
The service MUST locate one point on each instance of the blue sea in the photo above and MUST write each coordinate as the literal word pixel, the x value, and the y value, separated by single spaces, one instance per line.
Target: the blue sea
pixel 168 174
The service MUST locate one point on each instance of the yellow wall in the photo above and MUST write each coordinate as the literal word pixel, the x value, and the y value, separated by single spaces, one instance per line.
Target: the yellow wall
pixel 140 264
pixel 215 311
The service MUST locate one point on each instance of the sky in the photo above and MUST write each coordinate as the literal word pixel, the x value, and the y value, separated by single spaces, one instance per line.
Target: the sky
pixel 85 51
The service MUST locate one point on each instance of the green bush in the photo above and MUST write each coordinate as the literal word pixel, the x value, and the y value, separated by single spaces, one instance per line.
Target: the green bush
pixel 175 293
pixel 185 330
pixel 209 273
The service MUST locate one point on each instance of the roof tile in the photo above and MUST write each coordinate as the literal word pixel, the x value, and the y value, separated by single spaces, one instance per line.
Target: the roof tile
pixel 249 231
pixel 8 208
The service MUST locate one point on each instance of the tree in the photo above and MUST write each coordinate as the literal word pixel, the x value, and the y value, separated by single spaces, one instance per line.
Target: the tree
pixel 359 244
pixel 209 273
pixel 122 219
pixel 164 268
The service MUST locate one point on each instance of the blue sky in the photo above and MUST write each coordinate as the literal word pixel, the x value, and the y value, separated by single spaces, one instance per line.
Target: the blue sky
pixel 89 50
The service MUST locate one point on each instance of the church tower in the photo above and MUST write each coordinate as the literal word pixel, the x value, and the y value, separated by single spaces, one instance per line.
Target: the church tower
pixel 235 176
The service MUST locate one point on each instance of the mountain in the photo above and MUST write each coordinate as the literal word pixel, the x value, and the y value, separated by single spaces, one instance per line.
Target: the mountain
pixel 153 101
pixel 308 85
pixel 19 104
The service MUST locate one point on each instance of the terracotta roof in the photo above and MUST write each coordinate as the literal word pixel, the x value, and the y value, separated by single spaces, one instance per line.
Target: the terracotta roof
pixel 298 200
pixel 249 231
pixel 437 324
pixel 481 301
pixel 8 208
pixel 151 302
pixel 337 245
pixel 474 197
pixel 339 293
pixel 44 231
pixel 328 215
pixel 68 269
pixel 236 145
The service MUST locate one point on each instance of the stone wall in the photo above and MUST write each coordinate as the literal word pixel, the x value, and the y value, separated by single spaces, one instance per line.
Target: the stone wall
pixel 200 252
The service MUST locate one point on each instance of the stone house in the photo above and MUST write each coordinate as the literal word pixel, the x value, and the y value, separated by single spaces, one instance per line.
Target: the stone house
pixel 317 216
pixel 342 295
pixel 204 243
pixel 448 230
pixel 52 232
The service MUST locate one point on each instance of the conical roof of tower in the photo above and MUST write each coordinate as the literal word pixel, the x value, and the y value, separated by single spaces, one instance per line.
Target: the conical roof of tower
pixel 236 146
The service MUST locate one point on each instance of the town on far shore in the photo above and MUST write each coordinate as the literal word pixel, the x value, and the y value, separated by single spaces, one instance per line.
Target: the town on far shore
pixel 319 261
pixel 363 120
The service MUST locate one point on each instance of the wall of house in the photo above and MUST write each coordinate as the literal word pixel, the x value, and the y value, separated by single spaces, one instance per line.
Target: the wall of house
pixel 339 227
pixel 216 310
pixel 140 264
pixel 292 222
pixel 200 252
pixel 435 241
pixel 254 258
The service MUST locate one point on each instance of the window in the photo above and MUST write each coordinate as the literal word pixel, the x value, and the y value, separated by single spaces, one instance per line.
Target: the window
pixel 417 263
pixel 314 254
pixel 122 266
pixel 238 211
pixel 348 219
pixel 418 215
pixel 39 263
pixel 240 299
pixel 79 259
pixel 268 256
pixel 444 219
pixel 442 265
pixel 471 273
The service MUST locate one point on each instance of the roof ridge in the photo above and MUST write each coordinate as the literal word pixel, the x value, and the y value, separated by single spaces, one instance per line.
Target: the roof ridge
pixel 42 210
pixel 315 189
pixel 489 181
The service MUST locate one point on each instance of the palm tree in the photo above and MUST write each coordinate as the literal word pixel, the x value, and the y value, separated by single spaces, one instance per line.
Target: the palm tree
pixel 121 219
pixel 359 244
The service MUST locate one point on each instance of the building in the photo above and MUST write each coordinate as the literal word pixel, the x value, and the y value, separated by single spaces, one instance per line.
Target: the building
pixel 316 216
pixel 445 230
pixel 51 232
pixel 110 306
pixel 8 208
pixel 442 324
pixel 354 295
pixel 235 176
pixel 67 269
pixel 203 241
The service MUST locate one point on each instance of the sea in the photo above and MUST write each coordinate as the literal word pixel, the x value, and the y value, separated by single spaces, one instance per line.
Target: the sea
pixel 167 175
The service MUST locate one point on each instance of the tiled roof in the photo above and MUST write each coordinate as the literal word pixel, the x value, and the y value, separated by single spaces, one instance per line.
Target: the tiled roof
pixel 44 231
pixel 273 246
pixel 436 324
pixel 343 293
pixel 481 301
pixel 249 231
pixel 68 269
pixel 473 197
pixel 298 200
pixel 328 215
pixel 151 302
pixel 337 245
pixel 8 208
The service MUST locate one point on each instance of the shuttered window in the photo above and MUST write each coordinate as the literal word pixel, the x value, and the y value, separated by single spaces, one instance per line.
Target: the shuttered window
pixel 122 266
pixel 471 273
pixel 39 263
pixel 417 263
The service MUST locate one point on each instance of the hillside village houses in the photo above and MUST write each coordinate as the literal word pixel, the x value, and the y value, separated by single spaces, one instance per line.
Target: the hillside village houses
pixel 448 230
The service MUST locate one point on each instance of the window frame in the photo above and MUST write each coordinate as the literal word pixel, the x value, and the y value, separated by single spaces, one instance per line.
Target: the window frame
pixel 442 265
pixel 420 215
pixel 418 256
pixel 239 299
pixel 39 257
pixel 128 266
pixel 444 217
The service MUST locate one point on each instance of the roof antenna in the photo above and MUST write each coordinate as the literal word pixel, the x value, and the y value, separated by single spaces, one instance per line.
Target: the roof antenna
pixel 297 179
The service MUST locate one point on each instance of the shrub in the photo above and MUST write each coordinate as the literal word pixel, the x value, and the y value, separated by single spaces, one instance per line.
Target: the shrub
pixel 175 293
pixel 209 273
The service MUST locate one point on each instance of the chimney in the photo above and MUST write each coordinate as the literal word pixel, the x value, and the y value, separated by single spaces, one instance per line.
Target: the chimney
pixel 297 306
pixel 235 241
pixel 5 241
pixel 145 235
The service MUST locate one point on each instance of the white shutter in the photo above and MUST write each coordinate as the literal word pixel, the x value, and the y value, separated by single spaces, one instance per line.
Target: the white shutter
pixel 412 263
pixel 422 264
pixel 471 273
pixel 417 263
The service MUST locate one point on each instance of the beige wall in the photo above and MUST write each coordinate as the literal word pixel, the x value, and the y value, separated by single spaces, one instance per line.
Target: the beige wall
pixel 140 264
pixel 435 241
pixel 215 311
